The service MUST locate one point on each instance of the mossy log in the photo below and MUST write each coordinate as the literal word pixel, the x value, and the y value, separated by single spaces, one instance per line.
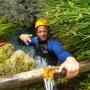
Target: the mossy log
pixel 32 77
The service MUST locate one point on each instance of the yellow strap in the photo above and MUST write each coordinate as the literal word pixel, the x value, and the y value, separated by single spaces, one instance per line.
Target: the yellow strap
pixel 49 72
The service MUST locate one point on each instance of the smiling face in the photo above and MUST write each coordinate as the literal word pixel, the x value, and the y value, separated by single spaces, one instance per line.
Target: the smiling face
pixel 42 33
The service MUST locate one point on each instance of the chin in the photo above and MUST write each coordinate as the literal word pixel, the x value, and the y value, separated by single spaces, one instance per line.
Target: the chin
pixel 43 39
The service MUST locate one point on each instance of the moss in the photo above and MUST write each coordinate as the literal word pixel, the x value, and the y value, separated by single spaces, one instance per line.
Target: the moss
pixel 6 52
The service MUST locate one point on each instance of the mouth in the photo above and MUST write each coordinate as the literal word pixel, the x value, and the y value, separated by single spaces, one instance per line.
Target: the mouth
pixel 43 38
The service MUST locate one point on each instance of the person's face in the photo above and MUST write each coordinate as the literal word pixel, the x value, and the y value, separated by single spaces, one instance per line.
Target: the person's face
pixel 42 33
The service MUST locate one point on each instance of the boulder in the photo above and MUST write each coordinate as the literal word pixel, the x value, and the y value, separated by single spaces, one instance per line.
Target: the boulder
pixel 22 12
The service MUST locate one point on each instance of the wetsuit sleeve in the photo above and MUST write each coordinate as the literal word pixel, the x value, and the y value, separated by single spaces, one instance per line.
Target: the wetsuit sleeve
pixel 33 41
pixel 59 51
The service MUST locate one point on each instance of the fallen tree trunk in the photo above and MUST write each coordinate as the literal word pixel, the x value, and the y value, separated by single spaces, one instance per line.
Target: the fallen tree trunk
pixel 32 77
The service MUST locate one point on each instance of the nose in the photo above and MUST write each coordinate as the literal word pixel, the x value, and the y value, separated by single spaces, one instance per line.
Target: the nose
pixel 43 33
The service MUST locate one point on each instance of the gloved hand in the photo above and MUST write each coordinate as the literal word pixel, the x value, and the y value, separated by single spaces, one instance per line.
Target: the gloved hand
pixel 72 67
pixel 25 38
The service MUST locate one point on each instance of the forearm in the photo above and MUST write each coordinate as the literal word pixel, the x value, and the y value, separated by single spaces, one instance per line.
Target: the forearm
pixel 71 65
pixel 26 39
pixel 69 58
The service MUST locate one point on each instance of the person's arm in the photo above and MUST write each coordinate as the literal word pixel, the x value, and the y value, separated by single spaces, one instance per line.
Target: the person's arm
pixel 32 41
pixel 59 51
pixel 27 39
pixel 71 65
pixel 69 62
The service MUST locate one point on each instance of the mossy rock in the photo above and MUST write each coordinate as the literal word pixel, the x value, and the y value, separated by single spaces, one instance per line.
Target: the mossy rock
pixel 6 52
pixel 22 12
pixel 12 62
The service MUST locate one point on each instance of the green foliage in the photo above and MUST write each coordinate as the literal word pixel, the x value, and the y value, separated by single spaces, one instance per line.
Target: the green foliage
pixel 85 81
pixel 9 32
pixel 70 23
pixel 11 64
pixel 6 29
pixel 10 68
pixel 6 52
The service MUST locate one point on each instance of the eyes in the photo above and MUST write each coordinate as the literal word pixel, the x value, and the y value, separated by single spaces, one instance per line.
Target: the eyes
pixel 42 29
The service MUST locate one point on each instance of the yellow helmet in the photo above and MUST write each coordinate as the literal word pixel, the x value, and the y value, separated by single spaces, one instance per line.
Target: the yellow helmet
pixel 40 22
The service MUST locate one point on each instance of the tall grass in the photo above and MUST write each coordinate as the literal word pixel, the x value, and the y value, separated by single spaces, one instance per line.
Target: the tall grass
pixel 70 23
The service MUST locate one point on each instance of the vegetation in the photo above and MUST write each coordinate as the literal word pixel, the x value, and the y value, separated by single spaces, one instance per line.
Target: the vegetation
pixel 12 61
pixel 6 29
pixel 70 23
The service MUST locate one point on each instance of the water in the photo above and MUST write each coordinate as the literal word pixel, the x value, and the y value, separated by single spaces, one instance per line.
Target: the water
pixel 41 62
pixel 49 84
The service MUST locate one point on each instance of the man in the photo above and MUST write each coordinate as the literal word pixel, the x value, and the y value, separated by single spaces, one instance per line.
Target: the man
pixel 50 49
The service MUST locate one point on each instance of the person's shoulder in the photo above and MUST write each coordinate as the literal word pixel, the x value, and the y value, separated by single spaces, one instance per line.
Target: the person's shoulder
pixel 53 44
pixel 54 41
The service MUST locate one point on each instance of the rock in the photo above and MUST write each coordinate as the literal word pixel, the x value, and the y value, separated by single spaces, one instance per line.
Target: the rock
pixel 20 55
pixel 22 12
pixel 21 61
pixel 18 62
pixel 6 51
